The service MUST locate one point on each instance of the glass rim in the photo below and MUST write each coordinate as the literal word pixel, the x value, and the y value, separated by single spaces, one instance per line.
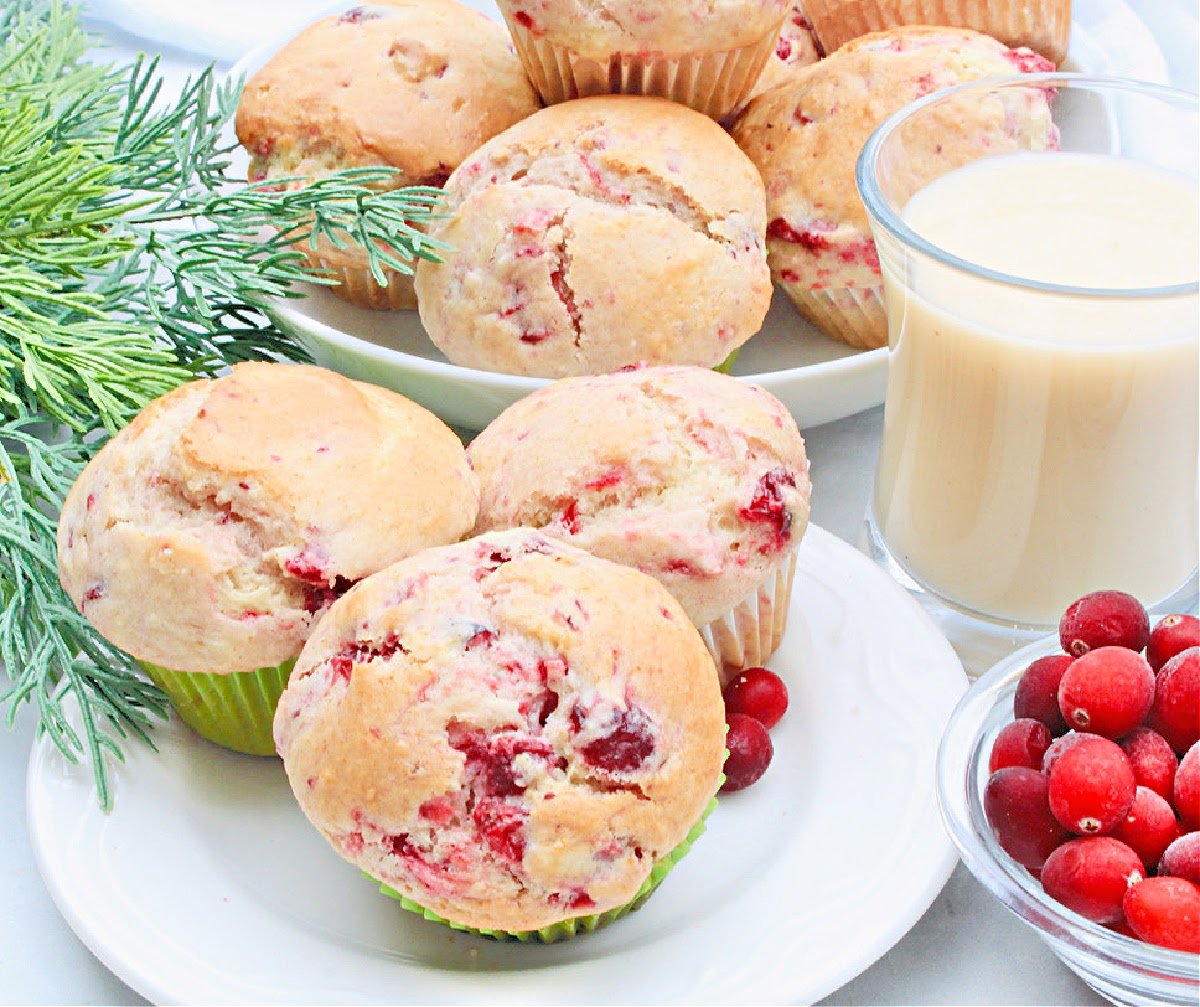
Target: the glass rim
pixel 881 213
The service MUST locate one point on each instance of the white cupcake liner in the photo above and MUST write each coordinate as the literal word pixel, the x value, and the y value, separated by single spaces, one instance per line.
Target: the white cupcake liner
pixel 358 286
pixel 714 83
pixel 749 633
pixel 855 315
pixel 1043 26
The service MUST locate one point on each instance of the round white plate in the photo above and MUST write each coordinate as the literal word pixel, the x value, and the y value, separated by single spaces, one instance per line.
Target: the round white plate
pixel 818 378
pixel 205 884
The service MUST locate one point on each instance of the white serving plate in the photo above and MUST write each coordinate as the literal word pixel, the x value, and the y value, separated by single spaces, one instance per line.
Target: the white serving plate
pixel 818 378
pixel 206 885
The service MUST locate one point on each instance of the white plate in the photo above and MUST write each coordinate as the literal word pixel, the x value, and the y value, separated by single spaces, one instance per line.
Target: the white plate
pixel 818 378
pixel 206 885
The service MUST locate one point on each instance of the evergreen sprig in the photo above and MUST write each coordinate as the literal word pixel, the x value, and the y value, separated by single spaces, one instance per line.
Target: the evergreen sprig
pixel 129 264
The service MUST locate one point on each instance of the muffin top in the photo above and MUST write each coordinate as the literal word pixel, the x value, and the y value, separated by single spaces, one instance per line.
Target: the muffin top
pixel 210 533
pixel 806 135
pixel 508 731
pixel 600 27
pixel 415 84
pixel 691 476
pixel 595 234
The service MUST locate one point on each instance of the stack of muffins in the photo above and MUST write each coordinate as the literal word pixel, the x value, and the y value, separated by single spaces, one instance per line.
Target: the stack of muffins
pixel 621 224
pixel 494 673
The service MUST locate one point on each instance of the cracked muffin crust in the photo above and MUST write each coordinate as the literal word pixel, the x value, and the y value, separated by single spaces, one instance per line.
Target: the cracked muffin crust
pixel 706 54
pixel 508 731
pixel 597 234
pixel 211 533
pixel 413 84
pixel 805 137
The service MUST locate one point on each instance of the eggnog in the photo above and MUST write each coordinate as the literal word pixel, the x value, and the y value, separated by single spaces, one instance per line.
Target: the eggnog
pixel 1038 444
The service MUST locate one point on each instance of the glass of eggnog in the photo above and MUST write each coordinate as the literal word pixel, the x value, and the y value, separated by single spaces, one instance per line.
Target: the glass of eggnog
pixel 1038 242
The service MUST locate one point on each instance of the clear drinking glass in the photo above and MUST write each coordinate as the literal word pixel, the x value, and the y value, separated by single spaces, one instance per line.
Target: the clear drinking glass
pixel 1040 437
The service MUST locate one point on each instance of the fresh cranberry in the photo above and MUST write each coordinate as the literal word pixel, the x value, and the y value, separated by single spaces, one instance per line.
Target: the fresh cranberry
pixel 626 741
pixel 1091 786
pixel 1091 876
pixel 1176 710
pixel 1104 619
pixel 1172 634
pixel 1187 789
pixel 1107 691
pixel 1182 858
pixel 750 752
pixel 1153 761
pixel 1037 692
pixel 1017 806
pixel 1149 828
pixel 1165 911
pixel 1061 745
pixel 1019 743
pixel 758 693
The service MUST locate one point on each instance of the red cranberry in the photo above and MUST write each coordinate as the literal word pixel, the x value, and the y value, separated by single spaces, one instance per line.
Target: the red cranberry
pixel 1061 745
pixel 501 826
pixel 1091 786
pixel 1037 692
pixel 1107 691
pixel 1020 743
pixel 1149 828
pixel 1104 619
pixel 626 743
pixel 1017 806
pixel 1182 858
pixel 1187 789
pixel 1165 911
pixel 1153 761
pixel 1172 634
pixel 1176 710
pixel 750 752
pixel 1091 876
pixel 767 505
pixel 758 693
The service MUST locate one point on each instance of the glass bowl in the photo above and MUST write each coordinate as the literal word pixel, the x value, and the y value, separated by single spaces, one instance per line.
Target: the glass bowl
pixel 1119 968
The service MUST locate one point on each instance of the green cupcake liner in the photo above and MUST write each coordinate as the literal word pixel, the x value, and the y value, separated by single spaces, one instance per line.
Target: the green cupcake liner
pixel 235 711
pixel 579 924
pixel 726 365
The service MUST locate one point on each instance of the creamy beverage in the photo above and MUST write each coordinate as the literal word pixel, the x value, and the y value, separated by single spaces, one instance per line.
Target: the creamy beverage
pixel 1040 445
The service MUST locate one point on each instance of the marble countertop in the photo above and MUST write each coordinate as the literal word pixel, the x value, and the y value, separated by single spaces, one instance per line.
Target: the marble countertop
pixel 966 949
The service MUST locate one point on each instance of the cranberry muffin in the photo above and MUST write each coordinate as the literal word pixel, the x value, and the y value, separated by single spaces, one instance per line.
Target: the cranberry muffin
pixel 410 84
pixel 208 536
pixel 513 736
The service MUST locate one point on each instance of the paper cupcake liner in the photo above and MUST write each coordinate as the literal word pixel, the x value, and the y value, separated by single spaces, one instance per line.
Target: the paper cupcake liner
pixel 749 633
pixel 855 315
pixel 1043 26
pixel 714 83
pixel 578 924
pixel 358 286
pixel 234 711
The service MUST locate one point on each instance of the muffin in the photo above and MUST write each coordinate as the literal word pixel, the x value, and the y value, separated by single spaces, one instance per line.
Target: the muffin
pixel 703 53
pixel 411 84
pixel 208 536
pixel 796 48
pixel 514 737
pixel 1042 25
pixel 596 234
pixel 805 138
pixel 690 476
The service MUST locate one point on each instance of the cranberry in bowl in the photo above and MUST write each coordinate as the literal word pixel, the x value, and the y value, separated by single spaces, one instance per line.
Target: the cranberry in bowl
pixel 1108 956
